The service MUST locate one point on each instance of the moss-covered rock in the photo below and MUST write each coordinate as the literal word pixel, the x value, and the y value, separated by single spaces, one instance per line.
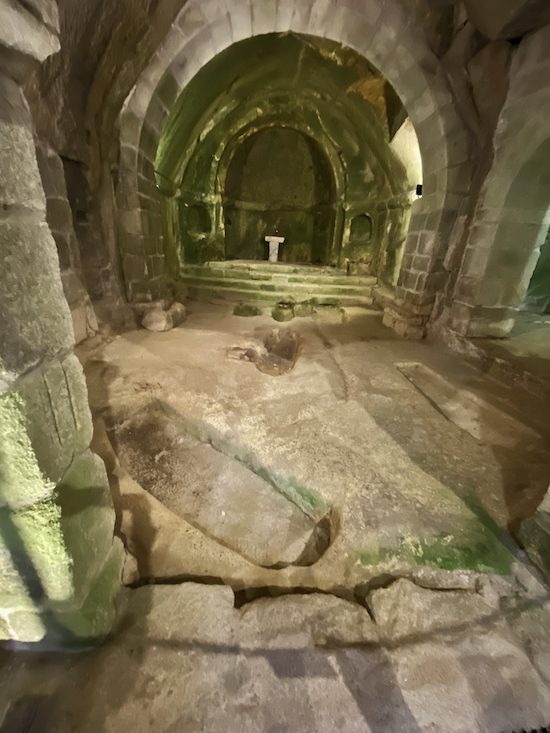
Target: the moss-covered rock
pixel 283 312
pixel 94 617
pixel 87 520
pixel 43 423
pixel 35 565
pixel 59 566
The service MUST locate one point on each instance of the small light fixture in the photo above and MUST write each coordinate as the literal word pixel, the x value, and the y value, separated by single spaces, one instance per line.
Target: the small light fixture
pixel 419 190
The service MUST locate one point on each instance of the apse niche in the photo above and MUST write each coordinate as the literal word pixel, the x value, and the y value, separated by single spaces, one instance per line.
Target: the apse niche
pixel 293 135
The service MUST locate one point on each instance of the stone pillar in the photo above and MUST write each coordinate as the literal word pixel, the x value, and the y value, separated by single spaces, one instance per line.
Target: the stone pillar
pixel 510 219
pixel 59 565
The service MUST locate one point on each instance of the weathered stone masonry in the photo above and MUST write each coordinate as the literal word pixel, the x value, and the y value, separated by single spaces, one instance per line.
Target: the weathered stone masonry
pixel 59 565
pixel 200 31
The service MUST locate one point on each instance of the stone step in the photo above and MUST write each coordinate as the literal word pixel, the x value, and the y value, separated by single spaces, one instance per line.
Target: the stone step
pixel 277 272
pixel 205 291
pixel 298 289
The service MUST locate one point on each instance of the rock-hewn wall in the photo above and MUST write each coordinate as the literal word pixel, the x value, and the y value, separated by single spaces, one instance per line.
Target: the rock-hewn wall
pixel 59 565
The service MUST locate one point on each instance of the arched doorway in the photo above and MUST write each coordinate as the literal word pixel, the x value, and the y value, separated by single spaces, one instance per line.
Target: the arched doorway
pixel 293 193
pixel 160 96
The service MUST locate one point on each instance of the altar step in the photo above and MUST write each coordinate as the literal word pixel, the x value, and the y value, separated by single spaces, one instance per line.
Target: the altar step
pixel 274 282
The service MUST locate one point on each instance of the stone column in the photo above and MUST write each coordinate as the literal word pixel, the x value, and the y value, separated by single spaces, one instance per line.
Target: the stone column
pixel 510 218
pixel 59 565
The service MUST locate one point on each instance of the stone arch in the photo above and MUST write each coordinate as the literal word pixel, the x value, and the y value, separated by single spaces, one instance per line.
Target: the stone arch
pixel 512 214
pixel 220 153
pixel 204 29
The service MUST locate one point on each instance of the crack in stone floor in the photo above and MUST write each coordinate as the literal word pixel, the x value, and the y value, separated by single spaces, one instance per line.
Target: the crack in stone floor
pixel 210 446
pixel 420 614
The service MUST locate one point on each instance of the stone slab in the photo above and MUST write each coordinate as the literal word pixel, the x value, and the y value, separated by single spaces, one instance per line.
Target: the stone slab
pixel 216 493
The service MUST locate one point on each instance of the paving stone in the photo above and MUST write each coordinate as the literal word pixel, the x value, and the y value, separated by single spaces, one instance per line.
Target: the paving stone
pixel 407 610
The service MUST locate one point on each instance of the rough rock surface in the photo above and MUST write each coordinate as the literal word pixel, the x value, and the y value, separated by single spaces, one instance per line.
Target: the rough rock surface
pixel 334 436
pixel 184 659
pixel 22 33
pixel 158 319
pixel 507 18
pixel 55 507
pixel 84 319
pixel 405 609
pixel 178 313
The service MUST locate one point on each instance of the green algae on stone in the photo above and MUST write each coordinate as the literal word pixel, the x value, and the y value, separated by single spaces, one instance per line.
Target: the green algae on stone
pixel 36 565
pixel 21 480
pixel 44 421
pixel 23 625
pixel 87 519
pixel 309 501
pixel 94 618
pixel 246 310
pixel 473 548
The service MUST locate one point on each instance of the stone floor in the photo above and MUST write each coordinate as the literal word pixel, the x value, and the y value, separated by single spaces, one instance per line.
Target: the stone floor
pixel 528 346
pixel 185 660
pixel 330 547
